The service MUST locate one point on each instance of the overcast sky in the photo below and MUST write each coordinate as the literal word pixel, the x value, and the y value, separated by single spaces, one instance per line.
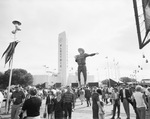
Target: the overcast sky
pixel 104 26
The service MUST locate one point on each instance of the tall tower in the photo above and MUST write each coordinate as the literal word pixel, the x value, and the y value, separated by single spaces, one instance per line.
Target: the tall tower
pixel 62 58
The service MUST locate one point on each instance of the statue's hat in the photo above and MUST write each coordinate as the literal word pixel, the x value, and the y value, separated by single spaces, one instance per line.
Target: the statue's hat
pixel 81 49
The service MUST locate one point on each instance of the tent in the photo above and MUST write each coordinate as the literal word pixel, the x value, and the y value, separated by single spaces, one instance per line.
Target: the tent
pixel 110 82
pixel 92 84
pixel 74 85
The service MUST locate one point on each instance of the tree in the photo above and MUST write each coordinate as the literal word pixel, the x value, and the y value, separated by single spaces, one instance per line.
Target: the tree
pixel 1 79
pixel 19 76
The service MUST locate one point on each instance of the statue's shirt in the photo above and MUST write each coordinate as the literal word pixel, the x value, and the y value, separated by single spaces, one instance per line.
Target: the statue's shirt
pixel 81 59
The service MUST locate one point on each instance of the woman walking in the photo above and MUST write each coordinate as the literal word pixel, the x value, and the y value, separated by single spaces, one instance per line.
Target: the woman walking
pixel 141 102
pixel 101 112
pixel 82 93
pixel 50 104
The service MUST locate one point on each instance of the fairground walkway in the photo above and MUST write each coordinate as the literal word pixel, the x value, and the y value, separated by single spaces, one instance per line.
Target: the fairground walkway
pixel 84 112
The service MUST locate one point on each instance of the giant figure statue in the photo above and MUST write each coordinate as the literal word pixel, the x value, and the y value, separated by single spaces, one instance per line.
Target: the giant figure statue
pixel 81 61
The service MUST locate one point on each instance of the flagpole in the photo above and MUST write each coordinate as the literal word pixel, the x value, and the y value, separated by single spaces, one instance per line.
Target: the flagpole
pixel 10 78
pixel 16 23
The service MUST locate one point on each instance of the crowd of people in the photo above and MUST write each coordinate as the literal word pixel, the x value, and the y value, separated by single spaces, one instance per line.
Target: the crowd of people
pixel 61 102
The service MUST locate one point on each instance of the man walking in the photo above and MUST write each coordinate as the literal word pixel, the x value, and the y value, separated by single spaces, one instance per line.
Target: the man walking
pixel 88 96
pixel 68 100
pixel 95 103
pixel 125 98
pixel 116 103
pixel 18 98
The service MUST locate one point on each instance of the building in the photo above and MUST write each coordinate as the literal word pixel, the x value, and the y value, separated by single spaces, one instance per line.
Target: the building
pixel 40 79
pixel 145 81
pixel 62 58
pixel 72 78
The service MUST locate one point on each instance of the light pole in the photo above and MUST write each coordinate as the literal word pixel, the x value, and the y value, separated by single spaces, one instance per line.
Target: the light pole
pixel 46 67
pixel 108 71
pixel 16 24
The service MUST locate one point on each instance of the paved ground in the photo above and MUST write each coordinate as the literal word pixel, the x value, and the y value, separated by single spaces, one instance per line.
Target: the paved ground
pixel 84 112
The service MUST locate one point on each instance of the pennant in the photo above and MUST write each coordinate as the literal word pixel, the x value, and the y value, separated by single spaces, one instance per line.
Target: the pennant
pixel 143 38
pixel 9 52
pixel 117 63
pixel 146 6
pixel 146 11
pixel 143 56
pixel 138 66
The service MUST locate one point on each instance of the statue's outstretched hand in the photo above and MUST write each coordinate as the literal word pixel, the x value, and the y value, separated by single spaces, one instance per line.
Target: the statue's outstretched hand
pixel 97 53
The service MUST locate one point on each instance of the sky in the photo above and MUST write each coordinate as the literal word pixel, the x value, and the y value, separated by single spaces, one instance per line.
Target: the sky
pixel 104 26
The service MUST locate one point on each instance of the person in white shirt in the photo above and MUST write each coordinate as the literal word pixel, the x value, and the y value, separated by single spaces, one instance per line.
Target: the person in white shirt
pixel 141 103
pixel 116 103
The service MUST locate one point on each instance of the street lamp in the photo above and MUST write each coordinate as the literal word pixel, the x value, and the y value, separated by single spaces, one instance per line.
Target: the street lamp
pixel 46 67
pixel 108 70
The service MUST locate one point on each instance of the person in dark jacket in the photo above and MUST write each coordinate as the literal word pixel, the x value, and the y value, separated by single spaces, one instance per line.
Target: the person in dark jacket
pixel 17 98
pixel 88 96
pixel 50 104
pixel 32 105
pixel 68 100
pixel 125 97
pixel 95 106
pixel 58 106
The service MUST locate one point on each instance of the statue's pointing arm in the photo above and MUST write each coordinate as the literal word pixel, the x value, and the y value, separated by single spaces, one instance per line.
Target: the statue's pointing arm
pixel 92 54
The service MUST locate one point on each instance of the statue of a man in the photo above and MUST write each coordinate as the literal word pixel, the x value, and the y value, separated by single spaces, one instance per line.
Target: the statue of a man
pixel 81 61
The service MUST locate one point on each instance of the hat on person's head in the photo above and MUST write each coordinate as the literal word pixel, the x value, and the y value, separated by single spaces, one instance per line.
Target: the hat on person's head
pixel 99 91
pixel 81 49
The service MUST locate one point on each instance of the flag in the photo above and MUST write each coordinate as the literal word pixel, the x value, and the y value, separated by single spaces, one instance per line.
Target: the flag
pixel 138 66
pixel 146 11
pixel 117 63
pixel 146 6
pixel 9 52
pixel 143 39
pixel 143 56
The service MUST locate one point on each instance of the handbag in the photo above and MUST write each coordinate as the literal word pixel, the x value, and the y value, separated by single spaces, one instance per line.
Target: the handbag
pixel 44 114
pixel 102 103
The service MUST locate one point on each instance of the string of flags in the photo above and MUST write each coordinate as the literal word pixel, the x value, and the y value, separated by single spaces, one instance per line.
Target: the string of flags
pixel 8 53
